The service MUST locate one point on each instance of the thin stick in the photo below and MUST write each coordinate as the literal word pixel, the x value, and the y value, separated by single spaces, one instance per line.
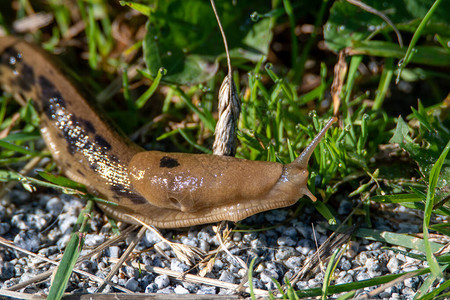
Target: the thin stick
pixel 224 41
pixel 124 256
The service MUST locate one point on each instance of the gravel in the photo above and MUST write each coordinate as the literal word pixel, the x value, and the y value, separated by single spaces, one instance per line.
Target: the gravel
pixel 44 227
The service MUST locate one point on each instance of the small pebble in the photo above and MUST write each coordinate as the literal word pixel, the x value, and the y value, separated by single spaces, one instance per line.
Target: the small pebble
pixel 276 216
pixel 113 252
pixel 284 253
pixel 132 284
pixel 227 277
pixel 92 240
pixel 54 206
pixel 151 288
pixel 6 270
pixel 162 281
pixel 4 228
pixel 305 247
pixel 207 290
pixel 178 266
pixel 392 265
pixel 267 275
pixel 180 290
pixel 294 262
pixel 167 290
pixel 286 241
pixel 28 240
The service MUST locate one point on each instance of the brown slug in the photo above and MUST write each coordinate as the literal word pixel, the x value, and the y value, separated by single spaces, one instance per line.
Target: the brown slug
pixel 166 190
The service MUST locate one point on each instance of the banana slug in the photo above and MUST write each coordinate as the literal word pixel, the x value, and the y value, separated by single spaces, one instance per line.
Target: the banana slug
pixel 167 190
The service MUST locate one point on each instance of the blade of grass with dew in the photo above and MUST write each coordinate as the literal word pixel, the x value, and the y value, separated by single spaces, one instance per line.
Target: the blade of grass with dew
pixel 396 198
pixel 426 55
pixel 144 9
pixel 409 52
pixel 348 87
pixel 434 176
pixel 71 254
pixel 140 102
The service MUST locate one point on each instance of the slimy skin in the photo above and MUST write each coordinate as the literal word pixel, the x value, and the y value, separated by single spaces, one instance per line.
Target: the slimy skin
pixel 167 190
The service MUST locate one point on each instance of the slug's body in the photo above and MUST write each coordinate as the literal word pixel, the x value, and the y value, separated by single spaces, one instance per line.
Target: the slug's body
pixel 166 190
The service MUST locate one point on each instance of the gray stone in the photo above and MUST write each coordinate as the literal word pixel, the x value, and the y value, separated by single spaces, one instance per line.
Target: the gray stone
pixel 92 240
pixel 28 240
pixel 162 281
pixel 207 290
pixel 113 251
pixel 284 253
pixel 227 277
pixel 294 262
pixel 178 266
pixel 4 228
pixel 305 247
pixel 286 241
pixel 6 270
pixel 151 288
pixel 132 284
pixel 180 290
pixel 54 206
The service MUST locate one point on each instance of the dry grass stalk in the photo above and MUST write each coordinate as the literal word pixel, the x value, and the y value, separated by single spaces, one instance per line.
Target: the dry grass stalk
pixel 122 259
pixel 193 278
pixel 229 109
pixel 185 253
pixel 46 275
pixel 229 106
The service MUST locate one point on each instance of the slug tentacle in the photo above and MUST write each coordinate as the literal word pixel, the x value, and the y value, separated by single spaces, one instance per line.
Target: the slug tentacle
pixel 302 160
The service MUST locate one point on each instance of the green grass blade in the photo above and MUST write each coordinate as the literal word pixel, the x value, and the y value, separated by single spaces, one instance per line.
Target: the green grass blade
pixel 409 52
pixel 434 176
pixel 71 255
pixel 329 273
pixel 250 279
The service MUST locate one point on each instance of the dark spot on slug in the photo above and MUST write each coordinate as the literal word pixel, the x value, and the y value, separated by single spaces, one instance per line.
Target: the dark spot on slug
pixel 26 79
pixel 88 126
pixel 50 93
pixel 168 162
pixel 80 172
pixel 99 140
pixel 120 191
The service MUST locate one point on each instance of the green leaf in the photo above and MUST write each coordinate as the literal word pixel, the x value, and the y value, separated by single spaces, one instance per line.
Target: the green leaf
pixel 182 37
pixel 426 55
pixel 143 9
pixel 62 181
pixel 348 23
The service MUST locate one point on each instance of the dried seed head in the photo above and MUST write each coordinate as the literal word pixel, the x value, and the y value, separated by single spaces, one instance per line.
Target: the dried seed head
pixel 229 109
